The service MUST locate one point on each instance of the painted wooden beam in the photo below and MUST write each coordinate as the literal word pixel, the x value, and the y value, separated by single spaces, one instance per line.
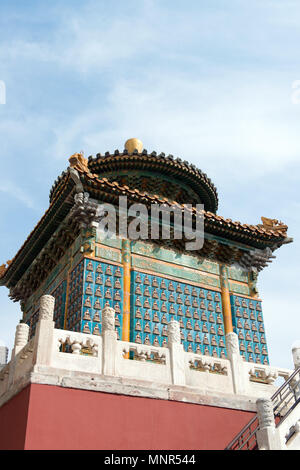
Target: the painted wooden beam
pixel 126 260
pixel 225 299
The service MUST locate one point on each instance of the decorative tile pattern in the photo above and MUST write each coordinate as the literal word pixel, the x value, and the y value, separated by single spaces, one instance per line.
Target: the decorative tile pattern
pixel 156 300
pixel 59 306
pixel 102 285
pixel 248 323
pixel 74 311
pixel 32 322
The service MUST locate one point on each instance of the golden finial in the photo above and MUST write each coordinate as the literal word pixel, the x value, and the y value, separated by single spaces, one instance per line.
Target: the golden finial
pixel 134 144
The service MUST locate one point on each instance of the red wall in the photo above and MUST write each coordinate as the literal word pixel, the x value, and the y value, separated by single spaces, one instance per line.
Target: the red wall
pixel 61 418
pixel 13 420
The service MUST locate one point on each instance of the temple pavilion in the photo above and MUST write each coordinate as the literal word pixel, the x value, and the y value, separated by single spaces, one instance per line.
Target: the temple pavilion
pixel 210 292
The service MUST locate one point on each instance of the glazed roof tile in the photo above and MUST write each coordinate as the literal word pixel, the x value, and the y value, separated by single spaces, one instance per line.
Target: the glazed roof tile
pixel 195 176
pixel 64 186
pixel 208 215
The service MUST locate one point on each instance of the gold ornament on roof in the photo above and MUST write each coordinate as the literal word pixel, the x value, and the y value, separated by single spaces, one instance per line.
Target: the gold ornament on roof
pixel 4 268
pixel 134 144
pixel 273 224
pixel 80 163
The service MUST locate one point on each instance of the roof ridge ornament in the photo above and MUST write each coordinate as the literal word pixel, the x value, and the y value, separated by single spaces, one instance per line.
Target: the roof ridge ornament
pixel 79 162
pixel 134 144
pixel 273 224
pixel 4 268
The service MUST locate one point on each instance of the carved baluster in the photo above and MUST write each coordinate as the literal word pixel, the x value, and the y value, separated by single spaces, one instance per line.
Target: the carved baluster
pixel 95 350
pixel 142 356
pixel 177 354
pixel 265 413
pixel 44 345
pixel 296 359
pixel 76 347
pixel 93 346
pixel 272 375
pixel 109 336
pixel 21 337
pixel 268 437
pixel 239 374
pixel 173 332
pixel 46 307
pixel 296 355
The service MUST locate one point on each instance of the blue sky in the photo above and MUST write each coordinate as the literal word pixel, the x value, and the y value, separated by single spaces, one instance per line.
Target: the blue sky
pixel 208 81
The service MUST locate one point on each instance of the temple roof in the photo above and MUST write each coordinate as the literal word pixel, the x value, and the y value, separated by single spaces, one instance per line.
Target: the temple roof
pixel 156 174
pixel 227 240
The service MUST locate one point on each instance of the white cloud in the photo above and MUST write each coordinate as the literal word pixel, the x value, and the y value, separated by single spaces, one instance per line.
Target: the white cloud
pixel 216 123
pixel 13 189
pixel 87 40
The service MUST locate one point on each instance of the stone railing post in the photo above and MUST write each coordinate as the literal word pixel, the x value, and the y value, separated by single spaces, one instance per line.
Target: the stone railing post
pixel 296 355
pixel 43 341
pixel 109 338
pixel 239 377
pixel 267 436
pixel 21 339
pixel 176 353
pixel 296 360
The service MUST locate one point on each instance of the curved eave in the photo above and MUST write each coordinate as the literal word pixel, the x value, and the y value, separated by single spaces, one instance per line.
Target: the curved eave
pixel 42 232
pixel 182 171
pixel 249 236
